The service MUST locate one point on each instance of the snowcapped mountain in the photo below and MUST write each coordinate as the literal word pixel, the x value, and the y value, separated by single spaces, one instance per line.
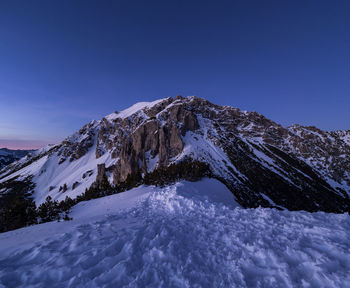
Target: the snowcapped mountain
pixel 261 162
pixel 8 156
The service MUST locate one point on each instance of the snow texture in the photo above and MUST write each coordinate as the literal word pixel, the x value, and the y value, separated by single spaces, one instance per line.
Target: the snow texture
pixel 185 235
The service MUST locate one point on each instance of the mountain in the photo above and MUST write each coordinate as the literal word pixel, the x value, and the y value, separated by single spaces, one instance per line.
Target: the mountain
pixel 261 162
pixel 8 156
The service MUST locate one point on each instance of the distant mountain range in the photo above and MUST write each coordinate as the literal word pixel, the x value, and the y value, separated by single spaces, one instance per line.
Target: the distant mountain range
pixel 8 156
pixel 261 162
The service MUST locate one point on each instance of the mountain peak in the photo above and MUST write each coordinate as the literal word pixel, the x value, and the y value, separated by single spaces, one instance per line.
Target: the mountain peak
pixel 137 107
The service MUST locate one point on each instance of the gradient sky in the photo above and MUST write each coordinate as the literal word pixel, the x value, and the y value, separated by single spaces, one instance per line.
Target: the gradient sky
pixel 64 63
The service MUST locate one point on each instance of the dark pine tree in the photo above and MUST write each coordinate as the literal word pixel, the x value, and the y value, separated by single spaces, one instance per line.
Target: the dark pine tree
pixel 19 212
pixel 49 210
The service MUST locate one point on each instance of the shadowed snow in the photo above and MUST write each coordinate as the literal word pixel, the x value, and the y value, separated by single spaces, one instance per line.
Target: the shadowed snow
pixel 184 235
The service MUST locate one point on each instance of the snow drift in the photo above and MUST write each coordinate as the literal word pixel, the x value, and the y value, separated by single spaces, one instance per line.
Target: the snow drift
pixel 183 235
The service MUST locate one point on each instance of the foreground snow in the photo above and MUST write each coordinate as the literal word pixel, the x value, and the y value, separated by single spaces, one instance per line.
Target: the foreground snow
pixel 185 235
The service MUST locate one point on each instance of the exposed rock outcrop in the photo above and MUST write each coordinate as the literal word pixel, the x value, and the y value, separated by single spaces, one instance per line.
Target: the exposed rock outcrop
pixel 158 134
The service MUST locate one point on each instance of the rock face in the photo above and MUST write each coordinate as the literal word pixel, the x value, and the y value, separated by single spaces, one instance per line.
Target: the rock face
pixel 156 132
pixel 262 162
pixel 77 145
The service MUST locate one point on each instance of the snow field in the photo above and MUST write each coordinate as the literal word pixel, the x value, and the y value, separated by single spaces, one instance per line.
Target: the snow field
pixel 184 235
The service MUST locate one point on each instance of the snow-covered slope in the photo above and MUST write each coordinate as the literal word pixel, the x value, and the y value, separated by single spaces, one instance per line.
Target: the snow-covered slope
pixel 183 235
pixel 133 109
pixel 262 163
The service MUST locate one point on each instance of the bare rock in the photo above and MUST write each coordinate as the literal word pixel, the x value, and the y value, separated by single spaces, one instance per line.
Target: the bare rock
pixel 101 171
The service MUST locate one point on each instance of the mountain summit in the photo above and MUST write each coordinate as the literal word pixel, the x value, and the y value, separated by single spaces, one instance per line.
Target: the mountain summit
pixel 261 162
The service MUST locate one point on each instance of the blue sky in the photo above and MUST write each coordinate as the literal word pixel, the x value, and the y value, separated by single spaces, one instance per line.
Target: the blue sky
pixel 64 63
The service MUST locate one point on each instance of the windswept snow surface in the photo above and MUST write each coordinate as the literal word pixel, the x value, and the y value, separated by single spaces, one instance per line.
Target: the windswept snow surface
pixel 184 235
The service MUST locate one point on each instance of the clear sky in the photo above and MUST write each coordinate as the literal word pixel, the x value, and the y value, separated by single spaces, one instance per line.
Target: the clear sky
pixel 64 63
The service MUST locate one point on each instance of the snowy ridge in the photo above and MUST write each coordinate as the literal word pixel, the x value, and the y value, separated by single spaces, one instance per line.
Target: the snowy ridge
pixel 133 110
pixel 186 235
pixel 202 148
pixel 326 152
pixel 50 175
